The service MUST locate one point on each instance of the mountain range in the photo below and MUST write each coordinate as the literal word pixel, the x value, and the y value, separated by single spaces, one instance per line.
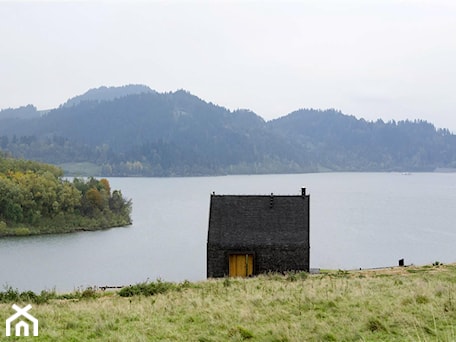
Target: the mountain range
pixel 136 131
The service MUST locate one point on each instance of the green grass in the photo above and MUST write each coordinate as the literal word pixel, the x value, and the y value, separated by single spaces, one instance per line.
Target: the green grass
pixel 378 305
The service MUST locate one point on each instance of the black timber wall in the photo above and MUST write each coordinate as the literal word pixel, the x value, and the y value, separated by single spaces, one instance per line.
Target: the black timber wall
pixel 265 259
pixel 273 228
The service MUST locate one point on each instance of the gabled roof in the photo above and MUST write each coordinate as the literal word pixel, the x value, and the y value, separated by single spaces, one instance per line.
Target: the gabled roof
pixel 258 220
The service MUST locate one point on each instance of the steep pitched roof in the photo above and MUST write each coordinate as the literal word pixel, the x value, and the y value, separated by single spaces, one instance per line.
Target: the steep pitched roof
pixel 258 220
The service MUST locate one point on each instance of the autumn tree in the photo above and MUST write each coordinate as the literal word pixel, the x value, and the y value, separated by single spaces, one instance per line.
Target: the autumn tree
pixel 35 194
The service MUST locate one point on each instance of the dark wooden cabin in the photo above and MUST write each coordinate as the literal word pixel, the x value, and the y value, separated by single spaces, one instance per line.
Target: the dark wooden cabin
pixel 253 234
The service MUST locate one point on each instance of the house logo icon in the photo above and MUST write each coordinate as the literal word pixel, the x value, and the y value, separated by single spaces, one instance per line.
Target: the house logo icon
pixel 21 325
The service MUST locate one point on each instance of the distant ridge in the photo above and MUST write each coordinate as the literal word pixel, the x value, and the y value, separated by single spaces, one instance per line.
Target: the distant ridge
pixel 136 131
pixel 25 112
pixel 108 93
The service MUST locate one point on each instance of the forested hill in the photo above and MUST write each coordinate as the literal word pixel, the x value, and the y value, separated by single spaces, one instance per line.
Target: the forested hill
pixel 108 94
pixel 137 131
pixel 339 142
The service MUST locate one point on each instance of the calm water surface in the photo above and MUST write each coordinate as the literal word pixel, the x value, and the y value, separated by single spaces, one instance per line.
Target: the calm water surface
pixel 357 220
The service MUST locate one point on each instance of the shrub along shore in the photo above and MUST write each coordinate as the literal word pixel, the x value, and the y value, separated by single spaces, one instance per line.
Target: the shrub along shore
pixel 393 304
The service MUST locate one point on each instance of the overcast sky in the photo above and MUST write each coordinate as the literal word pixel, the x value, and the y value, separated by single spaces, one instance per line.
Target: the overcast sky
pixel 372 59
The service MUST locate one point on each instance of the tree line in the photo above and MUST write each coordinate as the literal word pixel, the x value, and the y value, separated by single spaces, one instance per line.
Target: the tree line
pixel 35 198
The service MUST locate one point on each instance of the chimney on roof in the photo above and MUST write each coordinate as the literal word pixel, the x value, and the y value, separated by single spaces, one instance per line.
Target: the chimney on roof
pixel 303 192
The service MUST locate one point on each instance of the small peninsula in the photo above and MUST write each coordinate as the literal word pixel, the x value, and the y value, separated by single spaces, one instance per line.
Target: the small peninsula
pixel 37 199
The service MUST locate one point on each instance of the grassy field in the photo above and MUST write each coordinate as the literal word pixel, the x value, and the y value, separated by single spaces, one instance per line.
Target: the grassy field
pixel 395 304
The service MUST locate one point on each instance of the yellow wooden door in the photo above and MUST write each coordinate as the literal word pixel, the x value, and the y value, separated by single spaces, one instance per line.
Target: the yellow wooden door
pixel 241 265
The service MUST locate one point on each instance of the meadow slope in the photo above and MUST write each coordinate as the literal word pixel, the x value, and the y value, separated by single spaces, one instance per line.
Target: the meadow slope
pixel 394 304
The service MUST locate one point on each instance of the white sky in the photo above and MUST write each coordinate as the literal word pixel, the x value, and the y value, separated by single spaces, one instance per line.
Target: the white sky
pixel 389 59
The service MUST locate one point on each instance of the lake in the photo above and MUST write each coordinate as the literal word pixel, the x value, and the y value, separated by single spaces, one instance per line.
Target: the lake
pixel 357 220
